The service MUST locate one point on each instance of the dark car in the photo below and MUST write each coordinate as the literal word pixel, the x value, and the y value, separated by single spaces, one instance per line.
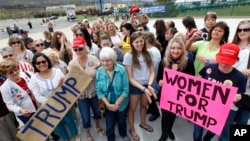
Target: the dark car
pixel 53 17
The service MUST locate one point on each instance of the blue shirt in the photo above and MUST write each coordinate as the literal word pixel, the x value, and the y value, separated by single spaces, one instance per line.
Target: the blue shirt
pixel 120 85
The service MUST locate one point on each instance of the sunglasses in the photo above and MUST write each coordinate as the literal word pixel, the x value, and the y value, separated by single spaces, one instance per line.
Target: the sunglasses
pixel 13 71
pixel 78 49
pixel 41 44
pixel 244 30
pixel 41 62
pixel 79 34
pixel 139 29
pixel 8 56
pixel 16 42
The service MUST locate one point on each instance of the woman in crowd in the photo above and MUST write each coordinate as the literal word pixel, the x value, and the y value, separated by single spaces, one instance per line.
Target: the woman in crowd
pixel 106 42
pixel 114 35
pixel 96 38
pixel 83 32
pixel 112 87
pixel 141 19
pixel 153 47
pixel 87 26
pixel 209 22
pixel 43 83
pixel 207 50
pixel 16 91
pixel 88 98
pixel 242 39
pixel 138 61
pixel 22 53
pixel 160 30
pixel 97 26
pixel 8 54
pixel 48 39
pixel 127 30
pixel 190 25
pixel 176 59
pixel 39 44
pixel 55 61
pixel 62 46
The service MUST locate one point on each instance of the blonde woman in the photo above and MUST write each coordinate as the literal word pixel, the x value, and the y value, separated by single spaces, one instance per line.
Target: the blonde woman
pixel 48 38
pixel 114 35
pixel 22 53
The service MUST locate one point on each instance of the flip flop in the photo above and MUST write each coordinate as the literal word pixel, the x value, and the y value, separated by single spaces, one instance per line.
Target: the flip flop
pixel 100 131
pixel 134 137
pixel 147 127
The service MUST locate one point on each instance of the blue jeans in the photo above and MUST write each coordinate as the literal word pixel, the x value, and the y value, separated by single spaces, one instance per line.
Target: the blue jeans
pixel 198 132
pixel 225 135
pixel 111 119
pixel 25 119
pixel 70 122
pixel 242 117
pixel 84 108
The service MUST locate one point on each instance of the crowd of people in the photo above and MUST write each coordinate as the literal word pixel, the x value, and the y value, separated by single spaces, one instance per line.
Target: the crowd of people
pixel 126 65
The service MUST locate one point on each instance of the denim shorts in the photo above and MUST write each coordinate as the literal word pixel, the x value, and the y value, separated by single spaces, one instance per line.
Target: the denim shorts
pixel 136 91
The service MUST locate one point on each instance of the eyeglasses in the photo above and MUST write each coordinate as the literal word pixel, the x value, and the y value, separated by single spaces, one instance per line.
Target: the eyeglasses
pixel 13 71
pixel 16 42
pixel 244 30
pixel 41 62
pixel 139 29
pixel 41 44
pixel 79 34
pixel 78 49
pixel 8 56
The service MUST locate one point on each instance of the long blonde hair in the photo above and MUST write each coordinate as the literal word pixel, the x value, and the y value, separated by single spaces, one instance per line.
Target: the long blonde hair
pixel 182 61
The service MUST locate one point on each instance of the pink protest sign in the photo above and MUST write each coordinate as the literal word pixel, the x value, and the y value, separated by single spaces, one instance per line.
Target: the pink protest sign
pixel 201 101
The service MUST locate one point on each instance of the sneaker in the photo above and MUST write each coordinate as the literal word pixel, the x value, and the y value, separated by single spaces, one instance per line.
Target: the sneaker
pixel 126 138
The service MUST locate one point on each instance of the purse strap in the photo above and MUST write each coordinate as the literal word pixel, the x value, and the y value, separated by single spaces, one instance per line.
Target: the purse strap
pixel 248 64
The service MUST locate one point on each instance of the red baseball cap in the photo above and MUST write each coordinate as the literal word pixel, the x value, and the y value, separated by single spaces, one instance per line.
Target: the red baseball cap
pixel 79 42
pixel 228 54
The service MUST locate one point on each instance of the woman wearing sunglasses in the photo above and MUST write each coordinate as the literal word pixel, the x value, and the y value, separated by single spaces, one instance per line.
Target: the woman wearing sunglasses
pixel 242 39
pixel 43 83
pixel 88 98
pixel 16 91
pixel 22 53
pixel 8 54
pixel 39 45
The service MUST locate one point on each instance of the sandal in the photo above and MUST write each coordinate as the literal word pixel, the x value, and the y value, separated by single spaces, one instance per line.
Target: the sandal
pixel 100 131
pixel 135 137
pixel 147 127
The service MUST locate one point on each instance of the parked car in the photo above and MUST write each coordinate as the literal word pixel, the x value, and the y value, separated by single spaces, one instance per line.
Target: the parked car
pixel 53 17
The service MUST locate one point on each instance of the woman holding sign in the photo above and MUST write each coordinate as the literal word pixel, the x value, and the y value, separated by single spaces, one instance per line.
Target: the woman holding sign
pixel 44 82
pixel 176 59
pixel 137 62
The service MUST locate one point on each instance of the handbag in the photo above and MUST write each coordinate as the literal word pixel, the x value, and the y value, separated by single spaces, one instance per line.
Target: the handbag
pixel 101 104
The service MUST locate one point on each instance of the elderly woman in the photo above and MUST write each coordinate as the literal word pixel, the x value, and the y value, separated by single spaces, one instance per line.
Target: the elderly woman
pixel 16 91
pixel 112 86
pixel 8 54
pixel 22 53
pixel 88 98
pixel 56 62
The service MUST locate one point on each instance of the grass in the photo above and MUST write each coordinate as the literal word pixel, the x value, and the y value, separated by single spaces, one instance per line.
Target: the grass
pixel 221 12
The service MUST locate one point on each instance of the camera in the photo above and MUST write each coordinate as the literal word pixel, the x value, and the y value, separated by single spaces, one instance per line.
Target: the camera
pixel 204 36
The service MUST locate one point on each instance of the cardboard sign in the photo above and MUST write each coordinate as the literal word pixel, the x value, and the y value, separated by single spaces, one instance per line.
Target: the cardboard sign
pixel 59 102
pixel 200 101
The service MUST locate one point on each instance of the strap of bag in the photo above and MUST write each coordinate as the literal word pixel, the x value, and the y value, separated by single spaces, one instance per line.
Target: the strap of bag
pixel 248 64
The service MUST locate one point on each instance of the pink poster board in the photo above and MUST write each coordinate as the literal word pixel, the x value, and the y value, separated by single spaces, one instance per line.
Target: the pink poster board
pixel 196 99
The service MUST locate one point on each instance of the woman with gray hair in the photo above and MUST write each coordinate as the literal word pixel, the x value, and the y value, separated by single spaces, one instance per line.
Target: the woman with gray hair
pixel 112 87
pixel 9 54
